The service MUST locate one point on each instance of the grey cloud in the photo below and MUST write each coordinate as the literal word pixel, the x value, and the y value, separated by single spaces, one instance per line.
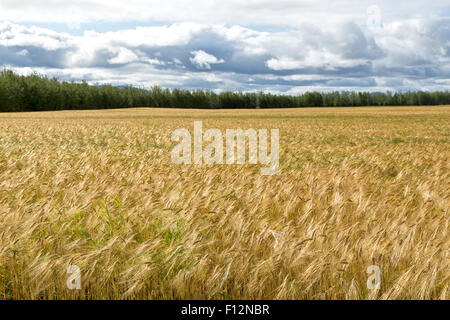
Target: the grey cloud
pixel 346 55
pixel 355 45
pixel 34 57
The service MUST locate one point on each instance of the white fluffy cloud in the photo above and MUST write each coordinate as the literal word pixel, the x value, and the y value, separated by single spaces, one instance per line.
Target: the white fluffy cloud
pixel 204 60
pixel 123 56
pixel 250 12
pixel 207 44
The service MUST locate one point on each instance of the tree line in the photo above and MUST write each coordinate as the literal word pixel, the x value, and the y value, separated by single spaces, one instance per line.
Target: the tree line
pixel 37 92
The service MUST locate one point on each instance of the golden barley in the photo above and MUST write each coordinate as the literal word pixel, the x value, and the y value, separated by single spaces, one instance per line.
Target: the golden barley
pixel 97 189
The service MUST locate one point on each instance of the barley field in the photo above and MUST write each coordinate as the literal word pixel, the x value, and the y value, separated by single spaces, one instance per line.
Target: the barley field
pixel 97 189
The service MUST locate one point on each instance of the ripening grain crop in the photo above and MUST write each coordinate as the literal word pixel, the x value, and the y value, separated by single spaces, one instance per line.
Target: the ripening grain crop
pixel 97 189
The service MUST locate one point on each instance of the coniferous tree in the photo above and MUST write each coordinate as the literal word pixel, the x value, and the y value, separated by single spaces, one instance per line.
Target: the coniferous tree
pixel 37 92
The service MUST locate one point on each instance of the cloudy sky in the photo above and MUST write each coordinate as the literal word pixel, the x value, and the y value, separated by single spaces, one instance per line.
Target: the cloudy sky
pixel 287 46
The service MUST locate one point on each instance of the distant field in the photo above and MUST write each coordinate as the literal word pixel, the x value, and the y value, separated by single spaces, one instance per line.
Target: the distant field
pixel 97 189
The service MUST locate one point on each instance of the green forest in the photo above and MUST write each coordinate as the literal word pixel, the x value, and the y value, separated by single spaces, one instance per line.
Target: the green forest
pixel 37 92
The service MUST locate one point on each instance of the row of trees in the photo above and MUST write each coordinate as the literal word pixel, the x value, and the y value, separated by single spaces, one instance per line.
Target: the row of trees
pixel 37 92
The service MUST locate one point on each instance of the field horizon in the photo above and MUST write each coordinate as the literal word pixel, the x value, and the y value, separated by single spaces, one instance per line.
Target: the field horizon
pixel 226 111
